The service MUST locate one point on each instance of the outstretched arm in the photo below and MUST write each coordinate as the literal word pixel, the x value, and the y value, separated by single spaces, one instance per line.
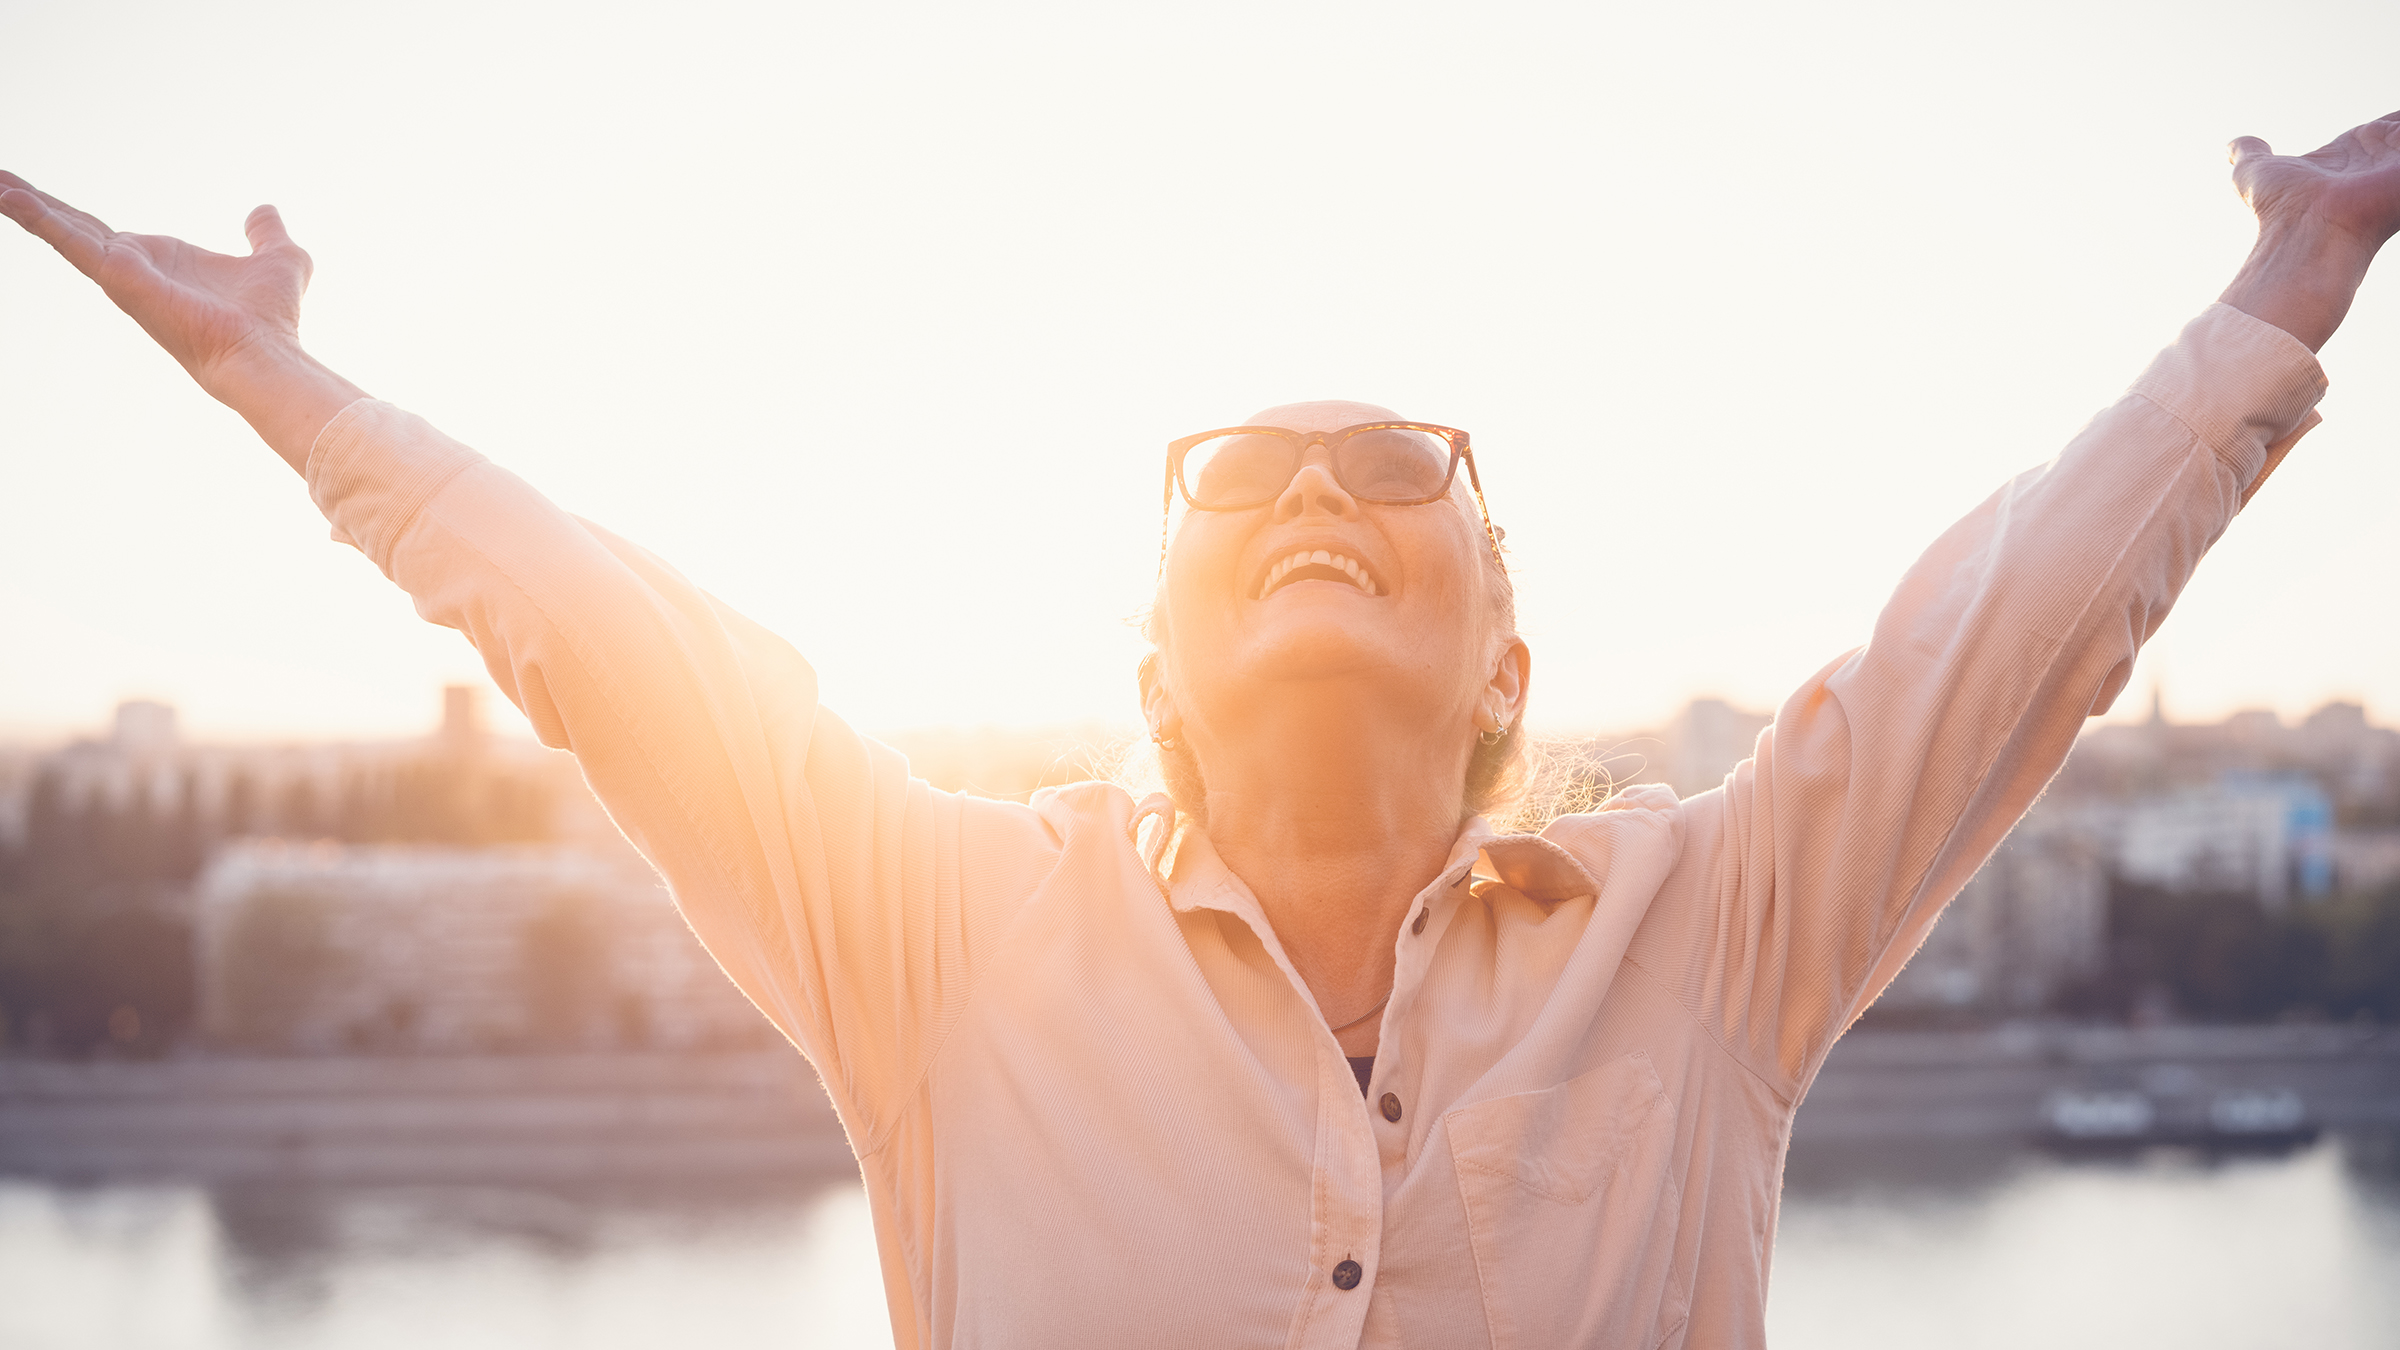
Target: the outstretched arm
pixel 2321 218
pixel 825 879
pixel 232 323
pixel 1888 779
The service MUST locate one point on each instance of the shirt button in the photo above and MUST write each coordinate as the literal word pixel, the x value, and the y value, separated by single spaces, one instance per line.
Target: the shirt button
pixel 1346 1275
pixel 1391 1106
pixel 1419 925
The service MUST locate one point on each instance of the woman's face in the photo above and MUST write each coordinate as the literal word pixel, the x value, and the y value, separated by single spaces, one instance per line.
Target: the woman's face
pixel 1413 627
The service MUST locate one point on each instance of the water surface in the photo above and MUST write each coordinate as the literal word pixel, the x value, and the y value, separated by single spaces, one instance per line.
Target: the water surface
pixel 1881 1246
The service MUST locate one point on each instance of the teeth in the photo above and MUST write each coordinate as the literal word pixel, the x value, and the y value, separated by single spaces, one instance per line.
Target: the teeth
pixel 1319 558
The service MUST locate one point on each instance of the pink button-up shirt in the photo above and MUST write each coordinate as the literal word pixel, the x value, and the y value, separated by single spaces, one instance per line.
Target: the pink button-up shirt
pixel 1092 1109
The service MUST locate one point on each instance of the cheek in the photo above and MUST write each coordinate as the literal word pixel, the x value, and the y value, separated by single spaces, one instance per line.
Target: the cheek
pixel 1199 568
pixel 1204 545
pixel 1445 571
pixel 1455 621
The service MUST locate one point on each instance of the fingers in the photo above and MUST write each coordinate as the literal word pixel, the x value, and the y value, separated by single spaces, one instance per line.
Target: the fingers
pixel 18 200
pixel 84 220
pixel 2246 147
pixel 79 238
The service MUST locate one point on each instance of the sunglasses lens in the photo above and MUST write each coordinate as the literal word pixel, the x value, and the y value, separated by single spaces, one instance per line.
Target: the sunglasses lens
pixel 1236 471
pixel 1393 464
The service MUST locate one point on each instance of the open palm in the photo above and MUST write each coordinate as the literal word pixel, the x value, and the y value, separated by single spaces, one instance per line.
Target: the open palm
pixel 202 307
pixel 2352 183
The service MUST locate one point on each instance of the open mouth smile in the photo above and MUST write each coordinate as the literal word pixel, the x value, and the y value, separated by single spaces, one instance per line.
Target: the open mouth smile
pixel 1317 565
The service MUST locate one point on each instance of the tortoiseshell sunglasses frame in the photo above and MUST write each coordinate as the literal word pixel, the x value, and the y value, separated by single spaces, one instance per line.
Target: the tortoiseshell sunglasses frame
pixel 1457 440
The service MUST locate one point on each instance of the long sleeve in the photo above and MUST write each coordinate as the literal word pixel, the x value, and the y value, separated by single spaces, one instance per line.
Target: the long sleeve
pixel 852 903
pixel 1816 870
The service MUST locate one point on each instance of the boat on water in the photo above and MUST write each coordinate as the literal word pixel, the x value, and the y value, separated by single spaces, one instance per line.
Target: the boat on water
pixel 2100 1120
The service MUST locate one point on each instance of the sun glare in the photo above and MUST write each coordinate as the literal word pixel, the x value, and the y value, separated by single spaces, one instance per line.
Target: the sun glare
pixel 885 353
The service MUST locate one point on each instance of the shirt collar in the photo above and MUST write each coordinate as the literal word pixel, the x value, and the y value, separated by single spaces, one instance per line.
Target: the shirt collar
pixel 1536 868
pixel 1527 863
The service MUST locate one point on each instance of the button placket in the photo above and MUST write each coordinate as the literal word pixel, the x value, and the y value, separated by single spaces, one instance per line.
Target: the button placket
pixel 1412 960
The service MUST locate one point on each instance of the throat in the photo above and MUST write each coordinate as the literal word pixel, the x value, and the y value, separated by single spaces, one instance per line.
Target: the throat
pixel 1335 814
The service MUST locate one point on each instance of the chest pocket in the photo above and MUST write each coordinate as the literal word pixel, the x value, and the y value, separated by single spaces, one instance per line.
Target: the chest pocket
pixel 1572 1207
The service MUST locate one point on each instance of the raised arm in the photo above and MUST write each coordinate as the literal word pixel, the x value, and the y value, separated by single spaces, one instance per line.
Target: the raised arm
pixel 826 880
pixel 1884 782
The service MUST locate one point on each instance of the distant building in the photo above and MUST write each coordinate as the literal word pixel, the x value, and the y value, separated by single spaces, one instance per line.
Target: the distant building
pixel 103 839
pixel 2356 764
pixel 1706 740
pixel 1691 753
pixel 320 947
pixel 2267 836
pixel 2034 920
pixel 144 730
pixel 2365 860
pixel 455 786
pixel 462 720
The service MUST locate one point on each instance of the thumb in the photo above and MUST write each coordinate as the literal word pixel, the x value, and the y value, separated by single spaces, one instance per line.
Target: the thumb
pixel 265 229
pixel 267 235
pixel 2243 147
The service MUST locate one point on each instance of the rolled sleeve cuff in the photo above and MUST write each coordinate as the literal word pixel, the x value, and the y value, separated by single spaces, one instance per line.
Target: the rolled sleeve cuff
pixel 2246 389
pixel 373 467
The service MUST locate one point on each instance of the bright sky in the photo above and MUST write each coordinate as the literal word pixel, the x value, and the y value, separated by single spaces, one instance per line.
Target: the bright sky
pixel 876 319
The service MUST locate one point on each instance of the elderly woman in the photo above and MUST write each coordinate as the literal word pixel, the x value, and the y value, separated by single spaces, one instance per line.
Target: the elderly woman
pixel 1104 1098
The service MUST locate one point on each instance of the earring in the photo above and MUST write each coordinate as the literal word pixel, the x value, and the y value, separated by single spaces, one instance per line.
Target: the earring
pixel 1162 740
pixel 1492 737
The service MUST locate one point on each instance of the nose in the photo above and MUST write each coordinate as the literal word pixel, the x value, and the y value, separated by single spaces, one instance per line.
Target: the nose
pixel 1314 491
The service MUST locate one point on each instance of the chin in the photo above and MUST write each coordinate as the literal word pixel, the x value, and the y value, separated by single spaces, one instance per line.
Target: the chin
pixel 1314 651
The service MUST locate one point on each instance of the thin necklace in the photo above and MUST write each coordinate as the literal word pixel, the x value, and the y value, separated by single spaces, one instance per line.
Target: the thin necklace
pixel 1387 997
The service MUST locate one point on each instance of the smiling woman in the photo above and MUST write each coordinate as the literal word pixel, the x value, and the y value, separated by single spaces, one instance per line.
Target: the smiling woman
pixel 1104 1098
pixel 1299 504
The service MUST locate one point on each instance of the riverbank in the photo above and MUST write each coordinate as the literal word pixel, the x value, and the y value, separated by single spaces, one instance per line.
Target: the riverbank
pixel 485 1118
pixel 2003 1083
pixel 691 1118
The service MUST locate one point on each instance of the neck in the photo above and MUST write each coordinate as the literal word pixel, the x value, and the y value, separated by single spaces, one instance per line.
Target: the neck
pixel 1335 816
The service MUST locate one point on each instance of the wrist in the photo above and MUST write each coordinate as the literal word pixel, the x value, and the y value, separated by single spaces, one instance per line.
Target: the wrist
pixel 261 361
pixel 2301 276
pixel 285 394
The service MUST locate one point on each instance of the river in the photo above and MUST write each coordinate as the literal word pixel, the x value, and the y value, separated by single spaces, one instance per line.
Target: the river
pixel 1883 1244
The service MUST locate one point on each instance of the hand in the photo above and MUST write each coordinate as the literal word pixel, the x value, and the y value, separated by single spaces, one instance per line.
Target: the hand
pixel 2351 185
pixel 232 323
pixel 202 307
pixel 2321 218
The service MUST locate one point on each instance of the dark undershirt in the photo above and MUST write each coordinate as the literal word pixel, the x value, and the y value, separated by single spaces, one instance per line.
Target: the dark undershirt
pixel 1364 1067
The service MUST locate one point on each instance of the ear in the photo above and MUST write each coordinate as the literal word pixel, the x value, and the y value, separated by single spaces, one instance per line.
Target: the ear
pixel 1512 681
pixel 1158 706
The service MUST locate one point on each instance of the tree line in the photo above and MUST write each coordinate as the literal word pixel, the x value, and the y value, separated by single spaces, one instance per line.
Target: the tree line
pixel 2228 958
